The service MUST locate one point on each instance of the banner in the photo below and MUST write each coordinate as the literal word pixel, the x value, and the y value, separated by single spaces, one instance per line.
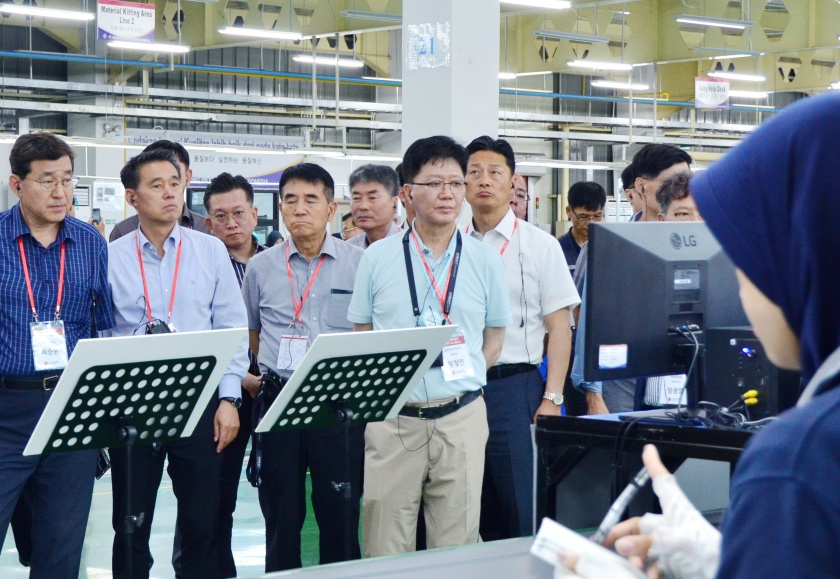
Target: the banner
pixel 119 20
pixel 711 93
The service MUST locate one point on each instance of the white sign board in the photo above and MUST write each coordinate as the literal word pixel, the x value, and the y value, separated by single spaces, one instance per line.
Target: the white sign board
pixel 427 45
pixel 119 20
pixel 711 93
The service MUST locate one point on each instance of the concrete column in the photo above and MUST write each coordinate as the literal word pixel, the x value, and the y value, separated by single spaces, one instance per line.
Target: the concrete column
pixel 458 97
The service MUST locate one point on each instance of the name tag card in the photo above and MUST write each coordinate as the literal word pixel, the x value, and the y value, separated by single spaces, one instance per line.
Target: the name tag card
pixel 456 359
pixel 49 346
pixel 292 351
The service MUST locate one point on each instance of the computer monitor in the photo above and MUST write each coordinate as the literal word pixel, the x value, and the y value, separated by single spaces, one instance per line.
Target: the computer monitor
pixel 644 281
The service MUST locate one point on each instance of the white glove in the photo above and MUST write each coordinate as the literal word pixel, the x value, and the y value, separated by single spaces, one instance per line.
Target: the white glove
pixel 685 544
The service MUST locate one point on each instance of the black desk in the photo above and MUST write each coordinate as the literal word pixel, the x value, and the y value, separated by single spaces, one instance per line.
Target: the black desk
pixel 578 475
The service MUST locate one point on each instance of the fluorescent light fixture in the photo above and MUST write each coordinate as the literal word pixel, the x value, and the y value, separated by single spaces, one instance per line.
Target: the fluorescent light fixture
pixel 329 61
pixel 382 78
pixel 834 85
pixel 538 73
pixel 731 56
pixel 527 90
pixel 738 76
pixel 599 65
pixel 572 36
pixel 714 22
pixel 748 94
pixel 378 16
pixel 260 33
pixel 547 4
pixel 46 12
pixel 620 85
pixel 507 75
pixel 149 47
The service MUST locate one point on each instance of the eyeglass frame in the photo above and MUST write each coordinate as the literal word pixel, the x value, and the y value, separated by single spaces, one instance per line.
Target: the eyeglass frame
pixel 588 218
pixel 443 184
pixel 73 181
pixel 230 216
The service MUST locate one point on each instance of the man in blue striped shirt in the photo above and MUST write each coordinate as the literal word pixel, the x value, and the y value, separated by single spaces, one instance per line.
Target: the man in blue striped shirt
pixel 54 274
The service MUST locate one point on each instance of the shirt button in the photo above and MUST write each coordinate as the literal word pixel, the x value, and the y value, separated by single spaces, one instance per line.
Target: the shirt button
pixel 314 318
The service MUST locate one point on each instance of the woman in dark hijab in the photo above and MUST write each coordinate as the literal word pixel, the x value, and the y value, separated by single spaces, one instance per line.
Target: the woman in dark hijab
pixel 771 203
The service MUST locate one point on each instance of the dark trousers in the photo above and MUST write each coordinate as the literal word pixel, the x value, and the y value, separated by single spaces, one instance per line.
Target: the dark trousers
pixel 194 467
pixel 232 458
pixel 22 526
pixel 286 457
pixel 61 487
pixel 507 494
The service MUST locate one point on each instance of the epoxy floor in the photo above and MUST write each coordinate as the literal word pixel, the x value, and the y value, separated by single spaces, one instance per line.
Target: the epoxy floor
pixel 248 535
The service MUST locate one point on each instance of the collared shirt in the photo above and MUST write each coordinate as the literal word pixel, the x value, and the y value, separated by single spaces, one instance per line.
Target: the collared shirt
pixel 189 219
pixel 269 301
pixel 207 296
pixel 362 240
pixel 571 249
pixel 381 297
pixel 239 267
pixel 85 277
pixel 537 283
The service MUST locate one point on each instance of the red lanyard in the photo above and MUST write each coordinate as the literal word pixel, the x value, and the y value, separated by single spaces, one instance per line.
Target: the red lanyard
pixel 299 306
pixel 146 287
pixel 507 241
pixel 442 296
pixel 29 282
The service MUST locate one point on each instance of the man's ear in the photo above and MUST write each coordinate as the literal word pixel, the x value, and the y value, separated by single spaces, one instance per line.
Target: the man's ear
pixel 14 183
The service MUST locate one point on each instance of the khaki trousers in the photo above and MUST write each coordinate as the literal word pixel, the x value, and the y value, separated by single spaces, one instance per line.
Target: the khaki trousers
pixel 440 461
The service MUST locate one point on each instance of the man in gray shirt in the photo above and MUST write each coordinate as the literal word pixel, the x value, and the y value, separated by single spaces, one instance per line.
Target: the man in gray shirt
pixel 293 292
pixel 373 201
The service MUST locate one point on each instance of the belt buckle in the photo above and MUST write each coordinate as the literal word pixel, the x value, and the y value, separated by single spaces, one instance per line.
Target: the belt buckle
pixel 49 382
pixel 420 412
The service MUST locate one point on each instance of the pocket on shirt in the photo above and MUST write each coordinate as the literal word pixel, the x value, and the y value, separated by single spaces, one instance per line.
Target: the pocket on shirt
pixel 337 310
pixel 75 303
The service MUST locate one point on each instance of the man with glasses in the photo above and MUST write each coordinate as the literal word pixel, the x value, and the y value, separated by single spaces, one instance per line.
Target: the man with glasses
pixel 675 200
pixel 434 450
pixel 229 202
pixel 586 202
pixel 53 292
pixel 519 200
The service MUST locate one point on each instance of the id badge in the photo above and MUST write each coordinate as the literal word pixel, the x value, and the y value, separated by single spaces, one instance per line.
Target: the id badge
pixel 49 346
pixel 673 390
pixel 456 359
pixel 292 351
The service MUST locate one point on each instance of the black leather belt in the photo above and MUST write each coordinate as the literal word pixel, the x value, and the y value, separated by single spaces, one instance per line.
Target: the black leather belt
pixel 435 412
pixel 508 370
pixel 44 383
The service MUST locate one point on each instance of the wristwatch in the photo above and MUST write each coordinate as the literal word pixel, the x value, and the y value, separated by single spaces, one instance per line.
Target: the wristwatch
pixel 237 402
pixel 554 397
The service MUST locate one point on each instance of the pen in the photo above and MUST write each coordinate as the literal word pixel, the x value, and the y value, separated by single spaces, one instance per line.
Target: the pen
pixel 620 505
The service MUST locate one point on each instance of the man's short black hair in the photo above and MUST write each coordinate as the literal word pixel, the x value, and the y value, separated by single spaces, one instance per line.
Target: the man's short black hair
pixel 432 150
pixel 308 173
pixel 347 217
pixel 176 149
pixel 587 194
pixel 652 159
pixel 37 147
pixel 130 174
pixel 400 177
pixel 500 146
pixel 673 189
pixel 376 174
pixel 628 177
pixel 225 183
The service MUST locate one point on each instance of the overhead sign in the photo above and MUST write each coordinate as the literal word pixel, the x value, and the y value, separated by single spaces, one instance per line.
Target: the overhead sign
pixel 711 93
pixel 119 20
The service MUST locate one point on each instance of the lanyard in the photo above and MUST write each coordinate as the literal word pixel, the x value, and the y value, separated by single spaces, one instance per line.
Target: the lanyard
pixel 299 305
pixel 29 282
pixel 446 296
pixel 146 287
pixel 507 241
